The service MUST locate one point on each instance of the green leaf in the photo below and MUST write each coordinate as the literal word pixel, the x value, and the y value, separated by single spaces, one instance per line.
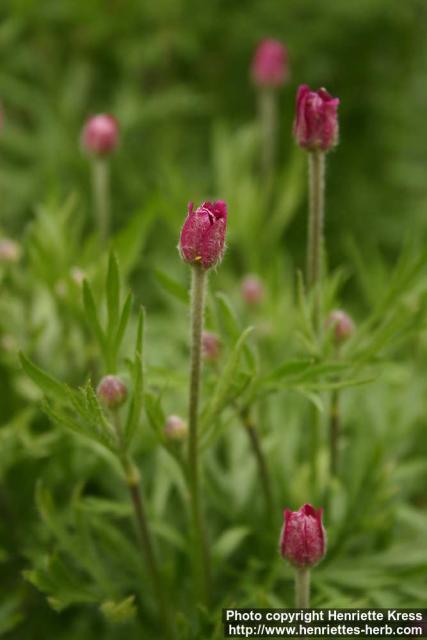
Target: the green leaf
pixel 229 317
pixel 10 613
pixel 123 323
pixel 50 386
pixel 119 612
pixel 232 326
pixel 135 408
pixel 113 295
pixel 228 542
pixel 221 392
pixel 92 316
pixel 176 289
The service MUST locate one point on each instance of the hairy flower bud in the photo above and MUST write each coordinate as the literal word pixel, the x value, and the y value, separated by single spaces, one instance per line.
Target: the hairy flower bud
pixel 316 119
pixel 10 251
pixel 270 64
pixel 112 392
pixel 341 324
pixel 203 234
pixel 252 289
pixel 100 135
pixel 211 345
pixel 303 537
pixel 176 428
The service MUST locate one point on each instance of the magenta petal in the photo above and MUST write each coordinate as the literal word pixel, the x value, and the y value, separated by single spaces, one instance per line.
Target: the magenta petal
pixel 302 540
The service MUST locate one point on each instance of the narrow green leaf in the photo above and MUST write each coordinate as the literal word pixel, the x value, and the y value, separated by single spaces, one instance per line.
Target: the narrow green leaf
pixel 44 381
pixel 124 320
pixel 176 289
pixel 92 315
pixel 113 295
pixel 222 390
pixel 136 404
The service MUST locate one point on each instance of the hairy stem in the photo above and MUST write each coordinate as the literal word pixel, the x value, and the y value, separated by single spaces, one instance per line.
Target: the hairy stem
pixel 316 160
pixel 101 196
pixel 267 104
pixel 302 588
pixel 201 557
pixel 315 229
pixel 144 535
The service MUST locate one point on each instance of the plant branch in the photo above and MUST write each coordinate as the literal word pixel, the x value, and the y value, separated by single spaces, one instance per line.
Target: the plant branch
pixel 144 535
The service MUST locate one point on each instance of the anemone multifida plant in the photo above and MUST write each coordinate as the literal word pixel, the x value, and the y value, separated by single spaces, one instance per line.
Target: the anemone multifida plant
pixel 166 502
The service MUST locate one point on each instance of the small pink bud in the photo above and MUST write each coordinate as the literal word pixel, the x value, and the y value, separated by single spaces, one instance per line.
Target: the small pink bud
pixel 211 345
pixel 341 324
pixel 176 428
pixel 100 135
pixel 111 391
pixel 203 234
pixel 10 251
pixel 77 275
pixel 316 119
pixel 252 289
pixel 303 537
pixel 270 64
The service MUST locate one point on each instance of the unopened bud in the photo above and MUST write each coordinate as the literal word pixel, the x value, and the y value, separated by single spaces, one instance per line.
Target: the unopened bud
pixel 252 289
pixel 316 119
pixel 176 428
pixel 303 537
pixel 100 135
pixel 341 324
pixel 77 275
pixel 270 64
pixel 211 345
pixel 10 251
pixel 112 392
pixel 203 234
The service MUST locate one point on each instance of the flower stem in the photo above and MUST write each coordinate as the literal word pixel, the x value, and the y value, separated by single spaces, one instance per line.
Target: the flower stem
pixel 101 196
pixel 316 161
pixel 267 105
pixel 264 475
pixel 302 588
pixel 144 535
pixel 201 557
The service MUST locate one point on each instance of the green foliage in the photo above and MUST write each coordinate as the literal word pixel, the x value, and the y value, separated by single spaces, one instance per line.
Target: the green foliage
pixel 71 312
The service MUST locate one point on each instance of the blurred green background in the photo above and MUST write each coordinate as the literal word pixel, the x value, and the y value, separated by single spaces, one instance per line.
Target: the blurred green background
pixel 176 75
pixel 171 69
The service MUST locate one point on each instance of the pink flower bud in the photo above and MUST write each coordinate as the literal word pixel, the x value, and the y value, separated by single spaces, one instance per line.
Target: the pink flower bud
pixel 341 324
pixel 270 64
pixel 316 120
pixel 100 135
pixel 203 234
pixel 77 275
pixel 252 289
pixel 303 537
pixel 176 428
pixel 211 345
pixel 10 251
pixel 112 392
